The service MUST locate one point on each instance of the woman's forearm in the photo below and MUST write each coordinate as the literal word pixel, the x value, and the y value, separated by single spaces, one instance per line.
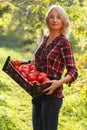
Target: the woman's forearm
pixel 66 79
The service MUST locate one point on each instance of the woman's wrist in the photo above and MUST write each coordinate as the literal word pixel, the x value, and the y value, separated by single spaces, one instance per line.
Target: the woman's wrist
pixel 66 79
pixel 33 62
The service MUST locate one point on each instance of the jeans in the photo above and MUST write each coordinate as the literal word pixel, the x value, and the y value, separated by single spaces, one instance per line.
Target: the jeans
pixel 45 112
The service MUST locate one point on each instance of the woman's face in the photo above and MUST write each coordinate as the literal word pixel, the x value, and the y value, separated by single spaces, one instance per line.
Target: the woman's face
pixel 54 21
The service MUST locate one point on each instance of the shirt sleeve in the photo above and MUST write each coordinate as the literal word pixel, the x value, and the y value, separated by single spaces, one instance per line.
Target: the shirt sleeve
pixel 69 61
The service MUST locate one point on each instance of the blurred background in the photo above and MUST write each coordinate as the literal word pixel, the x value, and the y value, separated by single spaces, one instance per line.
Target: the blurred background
pixel 21 29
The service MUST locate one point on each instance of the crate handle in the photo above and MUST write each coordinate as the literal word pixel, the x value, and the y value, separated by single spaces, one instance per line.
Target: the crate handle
pixel 6 63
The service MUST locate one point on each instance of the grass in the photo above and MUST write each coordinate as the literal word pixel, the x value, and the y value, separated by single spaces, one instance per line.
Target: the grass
pixel 16 104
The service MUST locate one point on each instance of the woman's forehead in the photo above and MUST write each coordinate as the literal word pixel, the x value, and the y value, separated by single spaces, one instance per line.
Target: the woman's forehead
pixel 53 11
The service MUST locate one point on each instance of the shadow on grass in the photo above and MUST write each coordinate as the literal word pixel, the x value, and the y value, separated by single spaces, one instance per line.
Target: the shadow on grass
pixel 6 123
pixel 4 87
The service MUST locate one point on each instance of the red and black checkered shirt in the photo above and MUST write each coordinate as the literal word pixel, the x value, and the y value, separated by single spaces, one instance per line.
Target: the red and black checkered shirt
pixel 54 58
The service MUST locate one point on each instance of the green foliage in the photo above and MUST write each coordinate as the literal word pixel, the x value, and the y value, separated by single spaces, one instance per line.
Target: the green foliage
pixel 16 106
pixel 82 71
pixel 15 103
pixel 73 114
pixel 26 19
pixel 21 28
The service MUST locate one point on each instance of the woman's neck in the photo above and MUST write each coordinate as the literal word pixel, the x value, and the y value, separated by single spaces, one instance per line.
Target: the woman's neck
pixel 54 33
pixel 51 37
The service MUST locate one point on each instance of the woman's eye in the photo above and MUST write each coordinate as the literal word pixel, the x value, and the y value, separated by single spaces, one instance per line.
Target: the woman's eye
pixel 51 16
pixel 58 17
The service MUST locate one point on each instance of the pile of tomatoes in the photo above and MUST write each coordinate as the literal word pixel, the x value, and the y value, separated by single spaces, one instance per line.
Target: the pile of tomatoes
pixel 30 73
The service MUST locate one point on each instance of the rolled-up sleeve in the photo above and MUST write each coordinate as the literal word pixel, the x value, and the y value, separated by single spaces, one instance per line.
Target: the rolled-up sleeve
pixel 68 59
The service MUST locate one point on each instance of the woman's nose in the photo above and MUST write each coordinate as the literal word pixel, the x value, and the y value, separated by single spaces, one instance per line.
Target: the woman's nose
pixel 55 19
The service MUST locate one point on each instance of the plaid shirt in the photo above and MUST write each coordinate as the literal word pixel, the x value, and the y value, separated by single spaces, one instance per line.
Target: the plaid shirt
pixel 54 58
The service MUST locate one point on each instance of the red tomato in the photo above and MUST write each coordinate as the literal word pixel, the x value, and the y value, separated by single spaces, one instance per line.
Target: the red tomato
pixel 31 67
pixel 45 80
pixel 35 72
pixel 31 77
pixel 17 67
pixel 24 67
pixel 26 71
pixel 16 63
pixel 20 69
pixel 41 77
pixel 24 75
pixel 30 72
pixel 42 74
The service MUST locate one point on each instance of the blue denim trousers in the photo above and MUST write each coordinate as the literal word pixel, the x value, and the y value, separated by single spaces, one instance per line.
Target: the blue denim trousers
pixel 45 112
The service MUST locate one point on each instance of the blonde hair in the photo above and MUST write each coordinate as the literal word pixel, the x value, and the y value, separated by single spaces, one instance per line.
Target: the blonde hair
pixel 66 23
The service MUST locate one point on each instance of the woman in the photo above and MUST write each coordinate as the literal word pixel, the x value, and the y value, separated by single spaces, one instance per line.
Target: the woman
pixel 52 56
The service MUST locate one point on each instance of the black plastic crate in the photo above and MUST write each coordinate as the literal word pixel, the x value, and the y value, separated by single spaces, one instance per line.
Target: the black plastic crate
pixel 32 89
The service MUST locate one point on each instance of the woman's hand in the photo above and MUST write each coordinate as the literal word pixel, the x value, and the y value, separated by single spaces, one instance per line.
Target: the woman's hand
pixel 57 83
pixel 33 62
pixel 54 85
